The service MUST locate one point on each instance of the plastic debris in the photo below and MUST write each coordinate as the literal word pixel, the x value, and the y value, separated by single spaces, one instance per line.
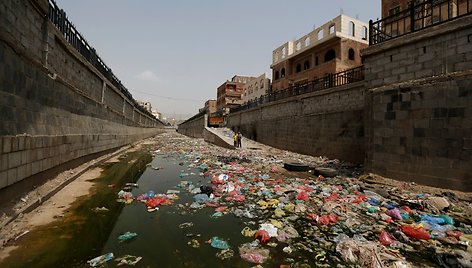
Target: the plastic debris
pixel 127 236
pixel 100 259
pixel 218 243
pixel 128 260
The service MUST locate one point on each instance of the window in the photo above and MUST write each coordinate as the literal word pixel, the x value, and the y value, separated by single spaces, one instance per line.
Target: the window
pixel 261 84
pixel 394 11
pixel 276 75
pixel 316 61
pixel 320 34
pixel 332 29
pixel 298 68
pixel 299 45
pixel 282 73
pixel 307 41
pixel 306 65
pixel 351 54
pixel 364 33
pixel 330 55
pixel 284 52
pixel 352 29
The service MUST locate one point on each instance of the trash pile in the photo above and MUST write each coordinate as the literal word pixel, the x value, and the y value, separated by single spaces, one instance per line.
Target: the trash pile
pixel 302 219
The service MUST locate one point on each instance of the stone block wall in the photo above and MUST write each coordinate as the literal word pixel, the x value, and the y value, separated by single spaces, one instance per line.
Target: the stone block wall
pixel 328 122
pixel 55 107
pixel 419 106
pixel 193 127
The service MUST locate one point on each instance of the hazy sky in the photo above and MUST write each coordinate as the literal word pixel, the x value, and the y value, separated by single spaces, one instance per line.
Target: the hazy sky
pixel 175 53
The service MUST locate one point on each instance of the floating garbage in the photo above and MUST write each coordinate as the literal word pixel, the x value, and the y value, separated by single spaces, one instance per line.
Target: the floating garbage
pixel 128 260
pixel 225 254
pixel 100 259
pixel 218 243
pixel 127 236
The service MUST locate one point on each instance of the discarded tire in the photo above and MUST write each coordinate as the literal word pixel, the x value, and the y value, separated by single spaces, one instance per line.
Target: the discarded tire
pixel 326 172
pixel 296 167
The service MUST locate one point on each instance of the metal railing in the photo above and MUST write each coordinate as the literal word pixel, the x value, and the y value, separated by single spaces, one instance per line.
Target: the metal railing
pixel 329 81
pixel 419 15
pixel 58 17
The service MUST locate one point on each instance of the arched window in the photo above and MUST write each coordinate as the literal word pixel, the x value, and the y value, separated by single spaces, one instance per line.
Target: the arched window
pixel 320 34
pixel 330 55
pixel 307 41
pixel 276 75
pixel 352 29
pixel 316 61
pixel 299 68
pixel 306 65
pixel 282 73
pixel 299 45
pixel 284 52
pixel 261 84
pixel 364 33
pixel 332 29
pixel 351 54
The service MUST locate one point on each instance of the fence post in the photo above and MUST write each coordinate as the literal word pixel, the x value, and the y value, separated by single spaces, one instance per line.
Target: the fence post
pixel 371 25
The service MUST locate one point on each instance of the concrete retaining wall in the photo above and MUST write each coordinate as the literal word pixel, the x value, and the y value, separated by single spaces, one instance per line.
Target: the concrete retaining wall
pixel 55 106
pixel 328 122
pixel 193 127
pixel 419 112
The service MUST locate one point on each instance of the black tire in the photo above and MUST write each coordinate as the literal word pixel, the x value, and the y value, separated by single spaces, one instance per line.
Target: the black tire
pixel 292 166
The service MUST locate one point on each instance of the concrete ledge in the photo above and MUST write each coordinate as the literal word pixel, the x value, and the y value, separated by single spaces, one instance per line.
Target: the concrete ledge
pixel 213 137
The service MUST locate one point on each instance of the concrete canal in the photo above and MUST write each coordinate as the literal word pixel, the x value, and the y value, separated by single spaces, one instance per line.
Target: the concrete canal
pixel 255 213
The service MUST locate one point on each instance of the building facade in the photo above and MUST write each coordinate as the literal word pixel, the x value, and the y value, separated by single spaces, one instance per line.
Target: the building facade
pixel 331 48
pixel 209 108
pixel 256 88
pixel 230 93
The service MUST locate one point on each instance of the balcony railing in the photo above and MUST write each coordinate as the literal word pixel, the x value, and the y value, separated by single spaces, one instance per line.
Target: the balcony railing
pixel 418 16
pixel 329 81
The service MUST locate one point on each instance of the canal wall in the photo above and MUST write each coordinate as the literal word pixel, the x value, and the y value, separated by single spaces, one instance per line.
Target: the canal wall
pixel 55 105
pixel 419 106
pixel 194 126
pixel 327 122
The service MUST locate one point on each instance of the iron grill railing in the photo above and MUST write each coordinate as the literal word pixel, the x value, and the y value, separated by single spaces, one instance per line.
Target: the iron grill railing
pixel 329 81
pixel 58 17
pixel 419 15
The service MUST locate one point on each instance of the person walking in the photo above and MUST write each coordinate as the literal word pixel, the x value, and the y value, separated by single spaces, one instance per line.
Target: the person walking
pixel 235 139
pixel 240 136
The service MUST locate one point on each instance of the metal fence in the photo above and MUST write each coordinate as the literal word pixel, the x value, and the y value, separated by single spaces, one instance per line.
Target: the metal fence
pixel 58 17
pixel 329 81
pixel 419 15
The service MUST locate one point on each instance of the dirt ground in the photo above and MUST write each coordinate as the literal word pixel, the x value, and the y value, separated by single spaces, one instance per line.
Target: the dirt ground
pixel 54 207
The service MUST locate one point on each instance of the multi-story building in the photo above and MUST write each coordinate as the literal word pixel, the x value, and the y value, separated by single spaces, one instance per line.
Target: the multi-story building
pixel 331 48
pixel 209 108
pixel 229 94
pixel 146 105
pixel 255 88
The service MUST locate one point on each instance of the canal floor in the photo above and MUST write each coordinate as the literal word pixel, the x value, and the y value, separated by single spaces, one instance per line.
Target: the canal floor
pixel 258 213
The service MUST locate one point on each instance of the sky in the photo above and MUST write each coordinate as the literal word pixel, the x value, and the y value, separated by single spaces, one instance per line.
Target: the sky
pixel 175 53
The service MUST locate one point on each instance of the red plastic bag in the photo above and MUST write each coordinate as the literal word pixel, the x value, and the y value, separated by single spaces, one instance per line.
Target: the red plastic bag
pixel 386 239
pixel 415 232
pixel 327 219
pixel 302 196
pixel 311 216
pixel 240 198
pixel 262 235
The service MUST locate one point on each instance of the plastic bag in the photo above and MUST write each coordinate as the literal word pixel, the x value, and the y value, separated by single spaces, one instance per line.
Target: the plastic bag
pixel 269 228
pixel 302 196
pixel 394 213
pixel 248 232
pixel 200 198
pixel 415 232
pixel 262 235
pixel 127 236
pixel 218 243
pixel 100 259
pixel 253 254
pixel 386 239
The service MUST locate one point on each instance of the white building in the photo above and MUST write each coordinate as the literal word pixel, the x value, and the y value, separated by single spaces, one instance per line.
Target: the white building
pixel 256 88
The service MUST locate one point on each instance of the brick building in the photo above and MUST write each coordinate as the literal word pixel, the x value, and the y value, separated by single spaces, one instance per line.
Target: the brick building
pixel 331 48
pixel 256 88
pixel 209 108
pixel 229 94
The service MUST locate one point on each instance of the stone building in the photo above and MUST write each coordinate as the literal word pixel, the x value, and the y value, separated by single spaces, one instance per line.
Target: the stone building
pixel 209 108
pixel 229 94
pixel 331 48
pixel 255 88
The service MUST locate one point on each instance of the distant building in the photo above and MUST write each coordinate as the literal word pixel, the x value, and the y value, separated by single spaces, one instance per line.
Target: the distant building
pixel 157 114
pixel 331 48
pixel 146 105
pixel 255 88
pixel 229 94
pixel 210 107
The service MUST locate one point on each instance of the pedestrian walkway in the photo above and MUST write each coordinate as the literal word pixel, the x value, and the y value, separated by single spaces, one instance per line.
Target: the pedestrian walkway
pixel 226 134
